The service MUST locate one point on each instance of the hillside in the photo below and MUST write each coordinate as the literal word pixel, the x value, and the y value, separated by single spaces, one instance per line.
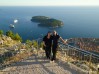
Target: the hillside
pixel 90 44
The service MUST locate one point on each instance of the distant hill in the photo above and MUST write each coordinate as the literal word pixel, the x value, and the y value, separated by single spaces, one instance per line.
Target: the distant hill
pixel 47 21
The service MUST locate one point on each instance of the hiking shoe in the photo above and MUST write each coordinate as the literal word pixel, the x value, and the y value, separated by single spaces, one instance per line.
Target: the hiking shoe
pixel 51 61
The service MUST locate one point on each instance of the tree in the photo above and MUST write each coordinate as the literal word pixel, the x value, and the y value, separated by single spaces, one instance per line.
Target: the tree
pixel 1 32
pixel 35 43
pixel 14 36
pixel 17 37
pixel 41 44
pixel 29 42
pixel 10 34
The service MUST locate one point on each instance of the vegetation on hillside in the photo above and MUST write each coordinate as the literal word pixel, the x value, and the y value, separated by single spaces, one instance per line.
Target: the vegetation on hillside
pixel 34 43
pixel 12 50
pixel 13 36
pixel 1 32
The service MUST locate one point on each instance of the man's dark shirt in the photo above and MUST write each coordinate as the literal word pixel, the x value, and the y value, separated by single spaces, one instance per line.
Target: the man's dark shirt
pixel 48 42
pixel 55 40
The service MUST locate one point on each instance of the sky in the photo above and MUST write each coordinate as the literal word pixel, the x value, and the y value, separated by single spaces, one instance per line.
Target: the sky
pixel 49 2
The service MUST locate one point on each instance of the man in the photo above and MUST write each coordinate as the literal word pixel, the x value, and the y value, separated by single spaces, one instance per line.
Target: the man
pixel 56 37
pixel 47 41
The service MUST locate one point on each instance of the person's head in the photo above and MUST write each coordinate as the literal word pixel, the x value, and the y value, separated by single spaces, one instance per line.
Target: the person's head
pixel 49 33
pixel 54 32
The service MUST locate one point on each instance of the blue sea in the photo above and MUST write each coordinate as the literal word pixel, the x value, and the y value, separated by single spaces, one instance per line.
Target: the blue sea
pixel 78 21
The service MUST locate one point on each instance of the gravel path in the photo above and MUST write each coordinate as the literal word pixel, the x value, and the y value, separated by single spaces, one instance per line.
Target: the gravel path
pixel 38 65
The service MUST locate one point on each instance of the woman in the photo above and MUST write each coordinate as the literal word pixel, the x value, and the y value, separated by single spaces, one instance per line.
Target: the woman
pixel 55 37
pixel 47 41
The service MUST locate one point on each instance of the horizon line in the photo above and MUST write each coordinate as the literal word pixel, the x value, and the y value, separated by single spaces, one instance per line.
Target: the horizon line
pixel 52 5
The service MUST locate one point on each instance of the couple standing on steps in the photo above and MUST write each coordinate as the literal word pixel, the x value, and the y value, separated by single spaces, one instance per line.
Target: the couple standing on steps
pixel 50 44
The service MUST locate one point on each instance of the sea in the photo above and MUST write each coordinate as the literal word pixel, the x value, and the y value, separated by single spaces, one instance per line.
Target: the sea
pixel 79 21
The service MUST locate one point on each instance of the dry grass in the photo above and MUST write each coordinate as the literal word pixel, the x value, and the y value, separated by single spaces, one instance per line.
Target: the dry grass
pixel 17 57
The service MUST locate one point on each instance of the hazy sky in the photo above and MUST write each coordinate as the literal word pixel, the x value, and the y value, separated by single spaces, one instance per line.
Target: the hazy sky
pixel 49 2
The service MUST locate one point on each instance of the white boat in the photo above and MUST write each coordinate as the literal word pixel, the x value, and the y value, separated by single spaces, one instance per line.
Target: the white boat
pixel 12 26
pixel 15 21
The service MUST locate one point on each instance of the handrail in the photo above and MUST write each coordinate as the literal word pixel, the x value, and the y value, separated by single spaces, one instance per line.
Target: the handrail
pixel 80 57
pixel 87 52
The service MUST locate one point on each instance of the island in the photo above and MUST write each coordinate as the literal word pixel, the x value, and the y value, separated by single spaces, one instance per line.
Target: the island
pixel 47 21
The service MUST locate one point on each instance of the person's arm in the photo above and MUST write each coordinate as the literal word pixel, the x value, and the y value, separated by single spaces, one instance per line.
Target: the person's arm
pixel 63 40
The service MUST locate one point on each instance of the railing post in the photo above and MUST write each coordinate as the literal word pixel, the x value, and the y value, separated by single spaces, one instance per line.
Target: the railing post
pixel 37 47
pixel 98 69
pixel 67 54
pixel 90 58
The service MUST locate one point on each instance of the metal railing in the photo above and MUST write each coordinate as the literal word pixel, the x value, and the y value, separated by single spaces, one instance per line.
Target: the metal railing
pixel 86 60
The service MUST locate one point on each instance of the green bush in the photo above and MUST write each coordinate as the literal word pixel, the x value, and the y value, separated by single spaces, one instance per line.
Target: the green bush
pixel 17 37
pixel 32 43
pixel 35 43
pixel 1 32
pixel 14 36
pixel 10 34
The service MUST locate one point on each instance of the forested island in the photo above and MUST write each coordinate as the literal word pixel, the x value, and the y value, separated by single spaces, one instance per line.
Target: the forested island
pixel 47 21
